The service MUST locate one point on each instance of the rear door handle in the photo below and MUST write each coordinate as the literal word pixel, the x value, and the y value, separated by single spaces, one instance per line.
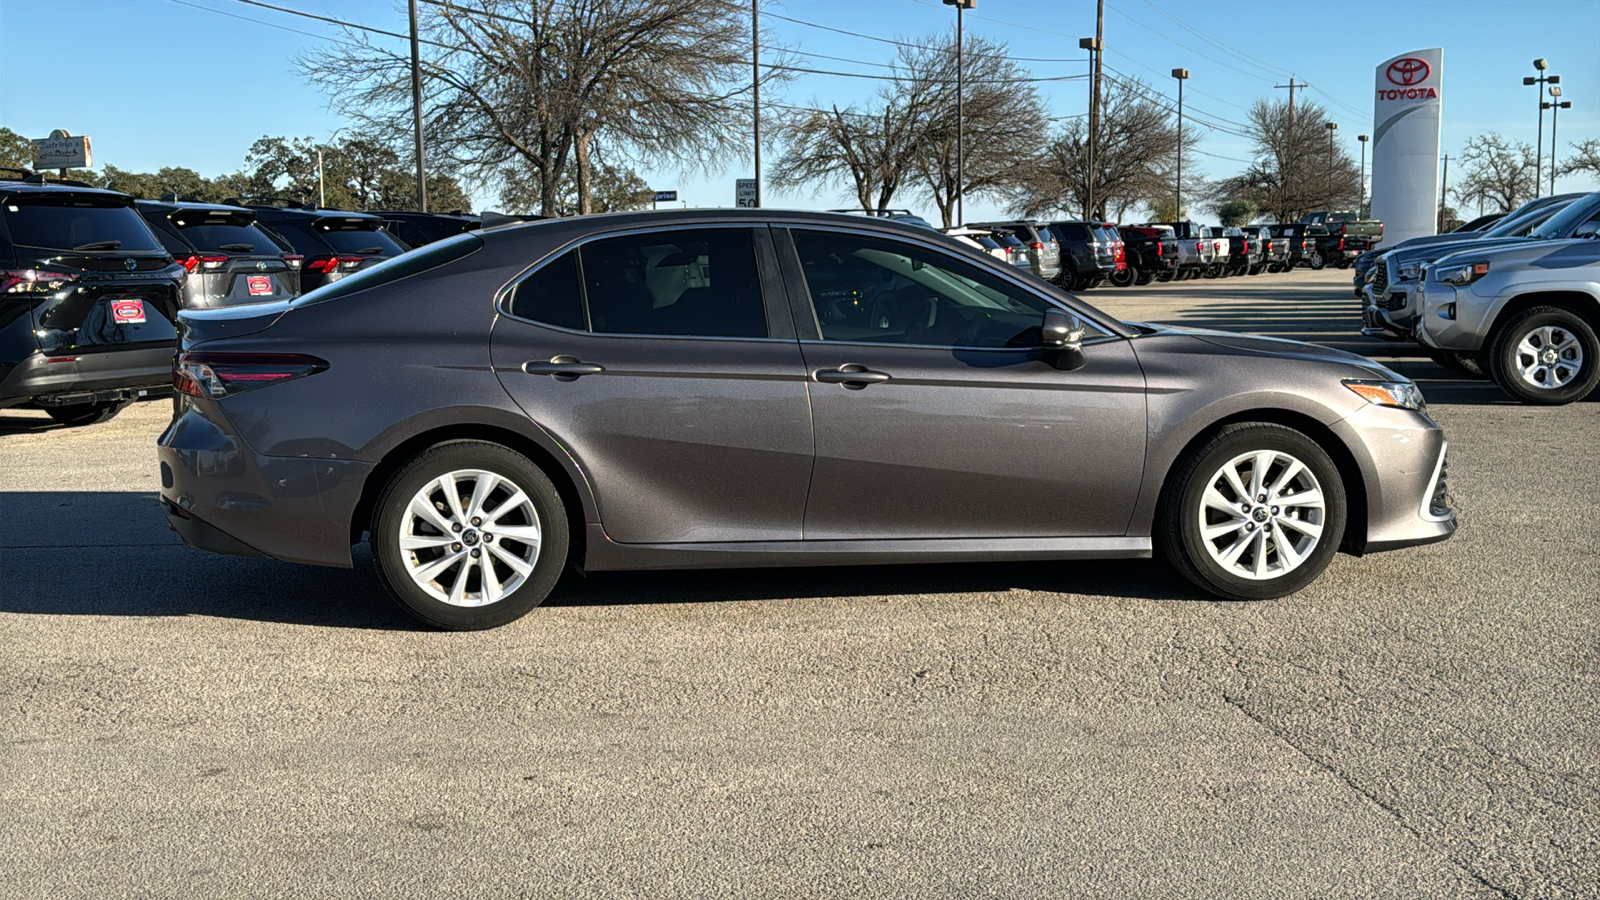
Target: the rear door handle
pixel 850 375
pixel 566 367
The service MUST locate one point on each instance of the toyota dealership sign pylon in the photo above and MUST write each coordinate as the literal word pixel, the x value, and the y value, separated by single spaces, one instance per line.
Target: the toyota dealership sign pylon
pixel 1405 144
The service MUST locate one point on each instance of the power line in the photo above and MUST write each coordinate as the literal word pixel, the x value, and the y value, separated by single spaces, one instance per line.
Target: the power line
pixel 249 19
pixel 911 44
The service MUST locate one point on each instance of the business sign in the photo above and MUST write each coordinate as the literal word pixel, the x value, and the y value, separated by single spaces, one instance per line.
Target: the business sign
pixel 664 197
pixel 744 193
pixel 1405 144
pixel 62 151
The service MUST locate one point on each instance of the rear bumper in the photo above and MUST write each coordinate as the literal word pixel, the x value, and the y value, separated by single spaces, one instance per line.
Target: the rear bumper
pixel 221 495
pixel 68 377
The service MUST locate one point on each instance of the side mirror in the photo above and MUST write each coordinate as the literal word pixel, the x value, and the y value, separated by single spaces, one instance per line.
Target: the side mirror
pixel 1062 335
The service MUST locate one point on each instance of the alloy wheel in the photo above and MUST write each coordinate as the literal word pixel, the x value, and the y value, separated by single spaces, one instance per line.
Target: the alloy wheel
pixel 470 537
pixel 1262 514
pixel 1549 357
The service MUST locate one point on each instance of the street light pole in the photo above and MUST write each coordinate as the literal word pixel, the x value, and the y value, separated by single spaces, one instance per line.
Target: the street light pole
pixel 416 110
pixel 1182 75
pixel 1361 207
pixel 1538 154
pixel 961 163
pixel 1556 105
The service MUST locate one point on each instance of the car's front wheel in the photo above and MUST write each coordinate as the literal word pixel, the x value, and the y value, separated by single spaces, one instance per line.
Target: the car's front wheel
pixel 1254 513
pixel 78 414
pixel 1316 260
pixel 469 535
pixel 1546 355
pixel 1123 277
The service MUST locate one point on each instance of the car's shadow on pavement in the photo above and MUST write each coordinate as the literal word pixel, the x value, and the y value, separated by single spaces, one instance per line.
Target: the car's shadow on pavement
pixel 24 423
pixel 68 554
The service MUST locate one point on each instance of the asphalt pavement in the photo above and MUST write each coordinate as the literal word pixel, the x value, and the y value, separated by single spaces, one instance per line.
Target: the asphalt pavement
pixel 1422 723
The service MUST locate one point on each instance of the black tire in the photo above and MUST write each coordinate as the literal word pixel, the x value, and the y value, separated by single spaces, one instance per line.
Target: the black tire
pixel 390 514
pixel 77 415
pixel 1167 275
pixel 1213 271
pixel 1316 261
pixel 1177 527
pixel 1144 278
pixel 1342 264
pixel 1122 277
pixel 1507 365
pixel 1258 268
pixel 1274 268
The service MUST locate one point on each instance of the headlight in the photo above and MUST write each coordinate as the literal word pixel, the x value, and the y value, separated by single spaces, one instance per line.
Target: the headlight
pixel 1410 270
pixel 1399 394
pixel 1463 274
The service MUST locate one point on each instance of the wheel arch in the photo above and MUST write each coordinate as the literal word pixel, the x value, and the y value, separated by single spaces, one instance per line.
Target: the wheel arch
pixel 576 499
pixel 1354 540
pixel 1584 306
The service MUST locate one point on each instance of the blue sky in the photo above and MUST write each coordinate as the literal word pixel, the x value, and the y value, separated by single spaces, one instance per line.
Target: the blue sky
pixel 191 83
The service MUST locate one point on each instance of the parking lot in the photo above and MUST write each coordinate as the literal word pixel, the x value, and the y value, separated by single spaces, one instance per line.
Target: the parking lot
pixel 1421 723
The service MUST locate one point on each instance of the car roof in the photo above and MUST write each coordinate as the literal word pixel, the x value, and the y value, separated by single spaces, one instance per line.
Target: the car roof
pixel 182 204
pixel 613 221
pixel 18 186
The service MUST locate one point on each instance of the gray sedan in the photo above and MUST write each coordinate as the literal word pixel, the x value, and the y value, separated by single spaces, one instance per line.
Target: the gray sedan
pixel 723 388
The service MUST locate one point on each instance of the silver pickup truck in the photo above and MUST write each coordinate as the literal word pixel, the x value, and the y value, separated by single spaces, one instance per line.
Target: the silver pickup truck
pixel 1220 251
pixel 1527 313
pixel 1196 250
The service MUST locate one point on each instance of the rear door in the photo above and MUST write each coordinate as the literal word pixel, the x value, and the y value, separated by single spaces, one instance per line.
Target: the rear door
pixel 666 362
pixel 955 424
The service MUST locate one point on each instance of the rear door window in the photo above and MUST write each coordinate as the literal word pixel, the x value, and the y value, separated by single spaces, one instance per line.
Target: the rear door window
pixel 701 281
pixel 367 242
pixel 85 223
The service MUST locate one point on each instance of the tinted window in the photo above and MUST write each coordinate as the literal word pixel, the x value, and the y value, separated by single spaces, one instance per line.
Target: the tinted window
pixel 551 295
pixel 235 237
pixel 1564 222
pixel 1046 234
pixel 67 222
pixel 872 289
pixel 362 241
pixel 701 282
pixel 1070 232
pixel 396 268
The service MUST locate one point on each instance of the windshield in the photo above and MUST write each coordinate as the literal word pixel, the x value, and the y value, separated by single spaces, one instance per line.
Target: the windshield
pixel 1511 226
pixel 1563 223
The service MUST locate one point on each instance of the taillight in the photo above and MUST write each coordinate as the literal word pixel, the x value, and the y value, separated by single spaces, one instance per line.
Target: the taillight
pixel 194 261
pixel 294 260
pixel 323 264
pixel 1036 245
pixel 1158 248
pixel 216 374
pixel 1200 246
pixel 1341 243
pixel 33 281
pixel 1246 245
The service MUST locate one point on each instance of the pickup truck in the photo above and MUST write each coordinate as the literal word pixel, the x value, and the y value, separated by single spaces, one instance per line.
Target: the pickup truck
pixel 1274 250
pixel 1245 251
pixel 1196 249
pixel 1152 252
pixel 1221 250
pixel 1359 234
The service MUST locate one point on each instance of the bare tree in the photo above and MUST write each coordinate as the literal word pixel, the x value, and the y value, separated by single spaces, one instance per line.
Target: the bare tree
pixel 1134 160
pixel 1003 119
pixel 1585 159
pixel 531 85
pixel 1295 171
pixel 872 153
pixel 1500 171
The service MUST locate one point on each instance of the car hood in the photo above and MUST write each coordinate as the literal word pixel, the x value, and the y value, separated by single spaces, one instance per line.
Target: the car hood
pixel 1429 240
pixel 1280 348
pixel 1433 252
pixel 1532 254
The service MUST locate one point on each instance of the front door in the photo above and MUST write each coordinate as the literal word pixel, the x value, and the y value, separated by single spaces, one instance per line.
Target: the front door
pixel 649 356
pixel 937 416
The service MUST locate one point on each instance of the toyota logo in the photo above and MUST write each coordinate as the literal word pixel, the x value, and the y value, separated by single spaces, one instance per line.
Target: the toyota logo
pixel 130 264
pixel 1408 71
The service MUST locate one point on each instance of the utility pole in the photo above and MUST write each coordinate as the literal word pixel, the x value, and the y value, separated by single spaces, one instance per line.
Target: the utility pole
pixel 1444 186
pixel 416 109
pixel 755 83
pixel 961 163
pixel 1361 205
pixel 1288 138
pixel 1182 75
pixel 1094 100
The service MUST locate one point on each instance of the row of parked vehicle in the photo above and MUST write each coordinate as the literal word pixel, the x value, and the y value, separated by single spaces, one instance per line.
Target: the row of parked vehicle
pixel 1514 297
pixel 1082 255
pixel 85 271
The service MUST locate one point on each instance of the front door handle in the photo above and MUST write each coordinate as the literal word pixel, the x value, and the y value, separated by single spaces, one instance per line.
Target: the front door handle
pixel 563 367
pixel 850 375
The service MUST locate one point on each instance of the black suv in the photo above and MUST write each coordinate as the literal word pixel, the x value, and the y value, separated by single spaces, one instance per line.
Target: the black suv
pixel 418 228
pixel 1087 257
pixel 334 243
pixel 229 258
pixel 88 298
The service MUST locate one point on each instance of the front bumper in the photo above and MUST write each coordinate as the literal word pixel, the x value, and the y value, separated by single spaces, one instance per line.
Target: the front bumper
pixel 1401 454
pixel 1452 318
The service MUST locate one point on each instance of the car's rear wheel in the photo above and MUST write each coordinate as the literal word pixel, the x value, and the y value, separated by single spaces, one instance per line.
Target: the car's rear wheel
pixel 1254 513
pixel 78 414
pixel 1122 277
pixel 1144 278
pixel 1316 260
pixel 1167 275
pixel 469 535
pixel 1546 355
